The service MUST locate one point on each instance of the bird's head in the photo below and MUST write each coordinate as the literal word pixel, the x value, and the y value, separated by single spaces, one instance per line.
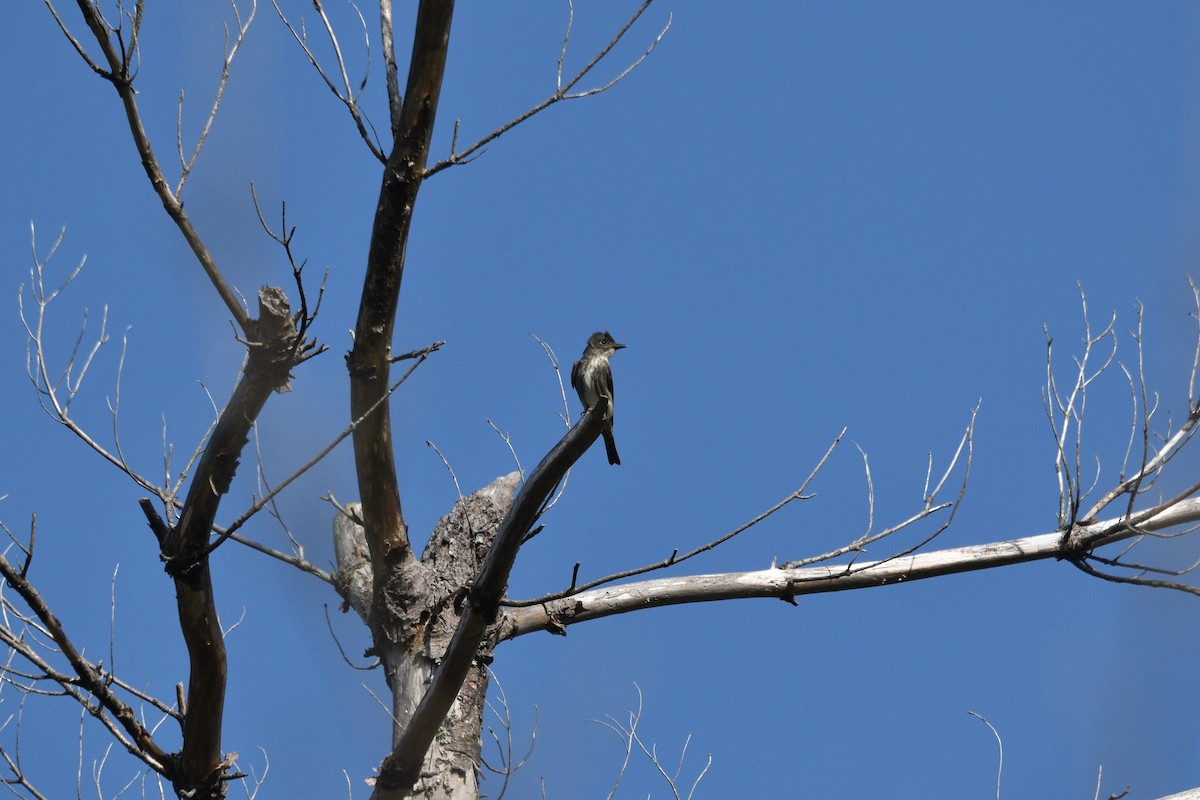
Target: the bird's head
pixel 603 342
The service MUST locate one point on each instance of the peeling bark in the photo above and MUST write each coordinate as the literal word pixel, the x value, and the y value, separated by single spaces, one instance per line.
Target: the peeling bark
pixel 423 610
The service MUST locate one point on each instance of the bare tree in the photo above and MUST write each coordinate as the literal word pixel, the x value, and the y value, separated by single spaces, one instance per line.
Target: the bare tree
pixel 435 617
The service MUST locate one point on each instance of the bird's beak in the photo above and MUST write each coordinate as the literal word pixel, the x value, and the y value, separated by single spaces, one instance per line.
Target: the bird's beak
pixel 618 346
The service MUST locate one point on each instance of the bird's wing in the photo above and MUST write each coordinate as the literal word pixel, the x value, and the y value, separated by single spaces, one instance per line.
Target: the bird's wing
pixel 604 382
pixel 576 376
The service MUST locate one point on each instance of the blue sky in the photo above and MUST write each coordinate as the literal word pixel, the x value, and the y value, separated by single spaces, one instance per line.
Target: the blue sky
pixel 800 217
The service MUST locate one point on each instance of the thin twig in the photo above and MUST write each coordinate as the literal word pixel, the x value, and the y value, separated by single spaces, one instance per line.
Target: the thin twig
pixel 563 91
pixel 450 469
pixel 326 450
pixel 999 742
pixel 120 73
pixel 186 165
pixel 344 93
pixel 674 559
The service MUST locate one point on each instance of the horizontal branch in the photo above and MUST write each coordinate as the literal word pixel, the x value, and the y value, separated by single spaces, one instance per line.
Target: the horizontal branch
pixel 786 584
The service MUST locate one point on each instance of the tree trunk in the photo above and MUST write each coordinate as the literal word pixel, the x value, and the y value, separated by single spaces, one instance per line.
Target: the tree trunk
pixel 423 605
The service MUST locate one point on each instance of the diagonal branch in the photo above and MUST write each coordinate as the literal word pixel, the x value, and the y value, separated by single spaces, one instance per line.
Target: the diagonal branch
pixel 562 92
pixel 119 56
pixel 272 353
pixel 274 492
pixel 402 766
pixel 187 164
pixel 88 677
pixel 343 92
pixel 675 558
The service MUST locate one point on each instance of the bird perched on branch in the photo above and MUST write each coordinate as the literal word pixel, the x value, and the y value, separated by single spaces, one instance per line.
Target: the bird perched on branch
pixel 592 378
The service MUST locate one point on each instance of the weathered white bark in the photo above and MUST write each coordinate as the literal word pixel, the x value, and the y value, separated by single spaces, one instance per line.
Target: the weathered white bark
pixel 1190 794
pixel 420 630
pixel 354 579
pixel 786 584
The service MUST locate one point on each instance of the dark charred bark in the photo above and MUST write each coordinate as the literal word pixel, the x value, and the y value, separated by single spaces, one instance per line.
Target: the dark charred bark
pixel 199 769
pixel 368 361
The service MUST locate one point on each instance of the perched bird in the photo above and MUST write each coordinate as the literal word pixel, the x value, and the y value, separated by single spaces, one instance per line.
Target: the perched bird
pixel 592 378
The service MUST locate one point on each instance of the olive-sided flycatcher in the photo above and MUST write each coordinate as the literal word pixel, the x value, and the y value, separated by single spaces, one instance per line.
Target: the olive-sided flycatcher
pixel 592 378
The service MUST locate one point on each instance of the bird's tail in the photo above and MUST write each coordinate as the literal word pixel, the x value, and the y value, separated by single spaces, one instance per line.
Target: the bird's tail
pixel 610 445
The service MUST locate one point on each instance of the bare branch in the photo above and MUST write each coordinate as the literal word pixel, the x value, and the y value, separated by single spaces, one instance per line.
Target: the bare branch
pixel 270 358
pixel 186 165
pixel 338 643
pixel 1151 464
pixel 87 676
pixel 628 734
pixel 344 92
pixel 388 37
pixel 369 361
pixel 508 763
pixel 1193 401
pixel 674 558
pixel 999 742
pixel 18 776
pixel 450 469
pixel 312 462
pixel 1136 580
pixel 565 416
pixel 788 583
pixel 305 316
pixel 1071 409
pixel 504 437
pixel 401 767
pixel 563 91
pixel 198 451
pixel 421 353
pixel 554 364
pixel 1081 537
pixel 871 489
pixel 288 558
pixel 119 57
pixel 55 394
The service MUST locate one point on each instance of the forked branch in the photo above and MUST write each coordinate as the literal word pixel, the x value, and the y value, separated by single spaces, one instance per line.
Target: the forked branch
pixel 87 683
pixel 564 91
pixel 57 389
pixel 627 732
pixel 402 766
pixel 340 85
pixel 788 584
pixel 120 55
pixel 1171 516
pixel 186 164
pixel 1157 450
